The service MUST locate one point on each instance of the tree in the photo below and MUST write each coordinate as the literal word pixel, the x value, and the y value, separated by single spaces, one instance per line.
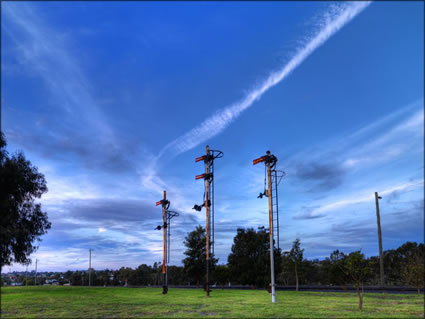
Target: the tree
pixel 413 271
pixel 143 274
pixel 359 269
pixel 221 275
pixel 195 263
pixel 76 279
pixel 176 275
pixel 395 261
pixel 285 275
pixel 249 261
pixel 22 220
pixel 125 275
pixel 296 257
pixel 337 273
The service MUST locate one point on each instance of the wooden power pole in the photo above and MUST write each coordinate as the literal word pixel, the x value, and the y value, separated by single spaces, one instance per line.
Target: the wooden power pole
pixel 381 257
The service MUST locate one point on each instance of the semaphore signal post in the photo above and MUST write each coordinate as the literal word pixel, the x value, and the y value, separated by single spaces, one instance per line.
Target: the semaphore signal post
pixel 273 178
pixel 208 203
pixel 167 215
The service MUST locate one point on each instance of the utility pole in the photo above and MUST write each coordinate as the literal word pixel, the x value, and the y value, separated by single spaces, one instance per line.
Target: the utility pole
pixel 381 257
pixel 35 279
pixel 270 161
pixel 89 267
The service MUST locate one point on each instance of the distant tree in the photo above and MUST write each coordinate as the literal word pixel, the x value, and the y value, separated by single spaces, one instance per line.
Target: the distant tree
pixel 67 276
pixel 102 278
pixel 76 279
pixel 22 220
pixel 176 275
pixel 337 272
pixel 125 274
pixel 115 278
pixel 28 282
pixel 395 261
pixel 311 271
pixel 285 276
pixel 156 275
pixel 249 261
pixel 413 271
pixel 195 262
pixel 359 270
pixel 296 257
pixel 143 274
pixel 324 269
pixel 221 274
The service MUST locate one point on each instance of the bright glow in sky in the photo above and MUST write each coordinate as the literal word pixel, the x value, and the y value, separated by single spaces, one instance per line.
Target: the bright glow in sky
pixel 113 101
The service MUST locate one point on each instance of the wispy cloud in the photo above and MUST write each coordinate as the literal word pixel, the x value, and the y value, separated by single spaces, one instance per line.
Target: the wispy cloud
pixel 357 198
pixel 76 124
pixel 329 23
pixel 395 135
pixel 45 52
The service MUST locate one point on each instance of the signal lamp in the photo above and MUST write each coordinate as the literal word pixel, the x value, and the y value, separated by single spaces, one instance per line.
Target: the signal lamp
pixel 197 208
pixel 262 194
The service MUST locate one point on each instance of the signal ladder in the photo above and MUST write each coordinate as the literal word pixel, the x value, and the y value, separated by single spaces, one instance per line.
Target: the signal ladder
pixel 277 176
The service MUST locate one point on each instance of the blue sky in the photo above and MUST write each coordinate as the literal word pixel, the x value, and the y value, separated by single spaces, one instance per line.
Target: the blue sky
pixel 113 101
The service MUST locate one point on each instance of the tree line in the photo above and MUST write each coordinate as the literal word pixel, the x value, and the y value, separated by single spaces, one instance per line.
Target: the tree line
pixel 249 264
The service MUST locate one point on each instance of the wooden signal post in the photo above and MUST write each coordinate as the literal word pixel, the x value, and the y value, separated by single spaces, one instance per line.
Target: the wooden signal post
pixel 208 177
pixel 206 158
pixel 270 161
pixel 165 204
pixel 164 246
pixel 207 209
pixel 167 215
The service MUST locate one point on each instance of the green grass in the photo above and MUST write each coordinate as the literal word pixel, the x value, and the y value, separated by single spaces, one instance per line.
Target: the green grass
pixel 82 302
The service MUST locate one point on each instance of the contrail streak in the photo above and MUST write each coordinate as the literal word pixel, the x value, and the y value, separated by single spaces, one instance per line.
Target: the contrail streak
pixel 331 22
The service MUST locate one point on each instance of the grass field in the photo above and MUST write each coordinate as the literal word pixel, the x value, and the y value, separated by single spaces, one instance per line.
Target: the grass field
pixel 83 302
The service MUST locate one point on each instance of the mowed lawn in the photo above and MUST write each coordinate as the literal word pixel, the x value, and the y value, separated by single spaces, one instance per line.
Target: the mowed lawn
pixel 85 302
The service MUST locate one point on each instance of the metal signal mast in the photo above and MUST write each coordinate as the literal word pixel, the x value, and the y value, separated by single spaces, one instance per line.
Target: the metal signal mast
pixel 167 215
pixel 273 179
pixel 208 177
